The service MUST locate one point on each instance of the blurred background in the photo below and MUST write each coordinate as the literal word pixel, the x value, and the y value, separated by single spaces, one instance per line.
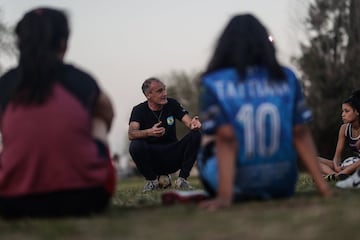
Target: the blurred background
pixel 121 43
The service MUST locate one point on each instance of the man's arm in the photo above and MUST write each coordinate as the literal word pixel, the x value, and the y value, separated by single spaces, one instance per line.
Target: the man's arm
pixel 192 123
pixel 134 131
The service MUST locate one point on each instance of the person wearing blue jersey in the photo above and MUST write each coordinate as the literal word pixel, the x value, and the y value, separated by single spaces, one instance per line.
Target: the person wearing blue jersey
pixel 254 121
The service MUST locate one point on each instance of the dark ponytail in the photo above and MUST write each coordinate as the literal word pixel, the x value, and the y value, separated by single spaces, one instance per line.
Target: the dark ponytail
pixel 42 36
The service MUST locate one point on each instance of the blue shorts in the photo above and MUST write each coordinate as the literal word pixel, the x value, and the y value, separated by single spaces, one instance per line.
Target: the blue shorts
pixel 260 181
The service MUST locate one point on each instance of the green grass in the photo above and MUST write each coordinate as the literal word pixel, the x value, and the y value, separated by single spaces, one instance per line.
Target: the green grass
pixel 134 215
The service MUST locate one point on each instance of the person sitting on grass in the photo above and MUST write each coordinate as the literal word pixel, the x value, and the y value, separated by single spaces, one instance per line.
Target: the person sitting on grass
pixel 154 146
pixel 349 133
pixel 54 124
pixel 254 121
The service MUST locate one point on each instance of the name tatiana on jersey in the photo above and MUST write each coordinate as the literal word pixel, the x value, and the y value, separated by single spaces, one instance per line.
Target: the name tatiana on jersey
pixel 251 89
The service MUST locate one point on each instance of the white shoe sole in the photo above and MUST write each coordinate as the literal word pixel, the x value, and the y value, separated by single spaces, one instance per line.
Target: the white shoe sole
pixel 178 196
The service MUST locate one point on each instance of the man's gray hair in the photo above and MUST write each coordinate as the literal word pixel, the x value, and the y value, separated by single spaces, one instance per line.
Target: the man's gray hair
pixel 146 85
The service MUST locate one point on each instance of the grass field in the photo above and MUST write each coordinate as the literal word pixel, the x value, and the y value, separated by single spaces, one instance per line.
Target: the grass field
pixel 134 215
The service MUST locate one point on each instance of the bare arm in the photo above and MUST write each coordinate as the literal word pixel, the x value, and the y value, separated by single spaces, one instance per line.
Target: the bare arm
pixel 307 152
pixel 103 109
pixel 192 123
pixel 339 148
pixel 134 131
pixel 226 147
pixel 103 115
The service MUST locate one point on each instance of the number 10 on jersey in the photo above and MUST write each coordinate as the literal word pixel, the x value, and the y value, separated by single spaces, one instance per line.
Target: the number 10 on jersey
pixel 261 129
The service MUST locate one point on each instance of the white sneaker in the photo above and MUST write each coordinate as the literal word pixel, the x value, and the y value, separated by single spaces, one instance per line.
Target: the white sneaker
pixel 351 182
pixel 151 185
pixel 182 183
pixel 178 196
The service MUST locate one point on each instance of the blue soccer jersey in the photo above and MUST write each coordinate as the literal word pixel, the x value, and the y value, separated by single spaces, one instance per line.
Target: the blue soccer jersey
pixel 263 115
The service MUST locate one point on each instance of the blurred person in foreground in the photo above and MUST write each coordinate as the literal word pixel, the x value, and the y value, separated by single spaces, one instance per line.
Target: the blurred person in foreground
pixel 54 124
pixel 254 121
pixel 154 145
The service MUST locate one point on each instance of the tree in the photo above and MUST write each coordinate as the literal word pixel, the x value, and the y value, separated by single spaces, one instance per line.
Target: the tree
pixel 184 87
pixel 353 48
pixel 7 46
pixel 327 65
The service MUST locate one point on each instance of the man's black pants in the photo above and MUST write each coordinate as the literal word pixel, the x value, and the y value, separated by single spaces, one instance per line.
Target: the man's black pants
pixel 153 160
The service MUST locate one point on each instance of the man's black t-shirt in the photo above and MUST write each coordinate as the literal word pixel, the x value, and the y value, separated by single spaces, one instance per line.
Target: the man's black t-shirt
pixel 142 114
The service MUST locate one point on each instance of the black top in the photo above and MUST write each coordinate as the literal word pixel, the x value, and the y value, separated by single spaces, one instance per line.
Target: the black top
pixel 142 114
pixel 77 82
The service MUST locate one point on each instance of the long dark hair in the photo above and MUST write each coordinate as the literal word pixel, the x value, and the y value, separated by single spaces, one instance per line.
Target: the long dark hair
pixel 42 36
pixel 354 100
pixel 244 43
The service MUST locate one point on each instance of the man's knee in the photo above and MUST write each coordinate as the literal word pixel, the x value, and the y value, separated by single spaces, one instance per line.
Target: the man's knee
pixel 136 146
pixel 195 137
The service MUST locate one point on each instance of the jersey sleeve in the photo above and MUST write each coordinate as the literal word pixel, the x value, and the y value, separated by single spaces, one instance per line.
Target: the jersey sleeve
pixel 302 113
pixel 7 88
pixel 211 113
pixel 82 85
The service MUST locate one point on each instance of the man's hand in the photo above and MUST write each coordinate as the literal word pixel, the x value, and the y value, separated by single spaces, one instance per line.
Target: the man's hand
pixel 195 123
pixel 156 130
